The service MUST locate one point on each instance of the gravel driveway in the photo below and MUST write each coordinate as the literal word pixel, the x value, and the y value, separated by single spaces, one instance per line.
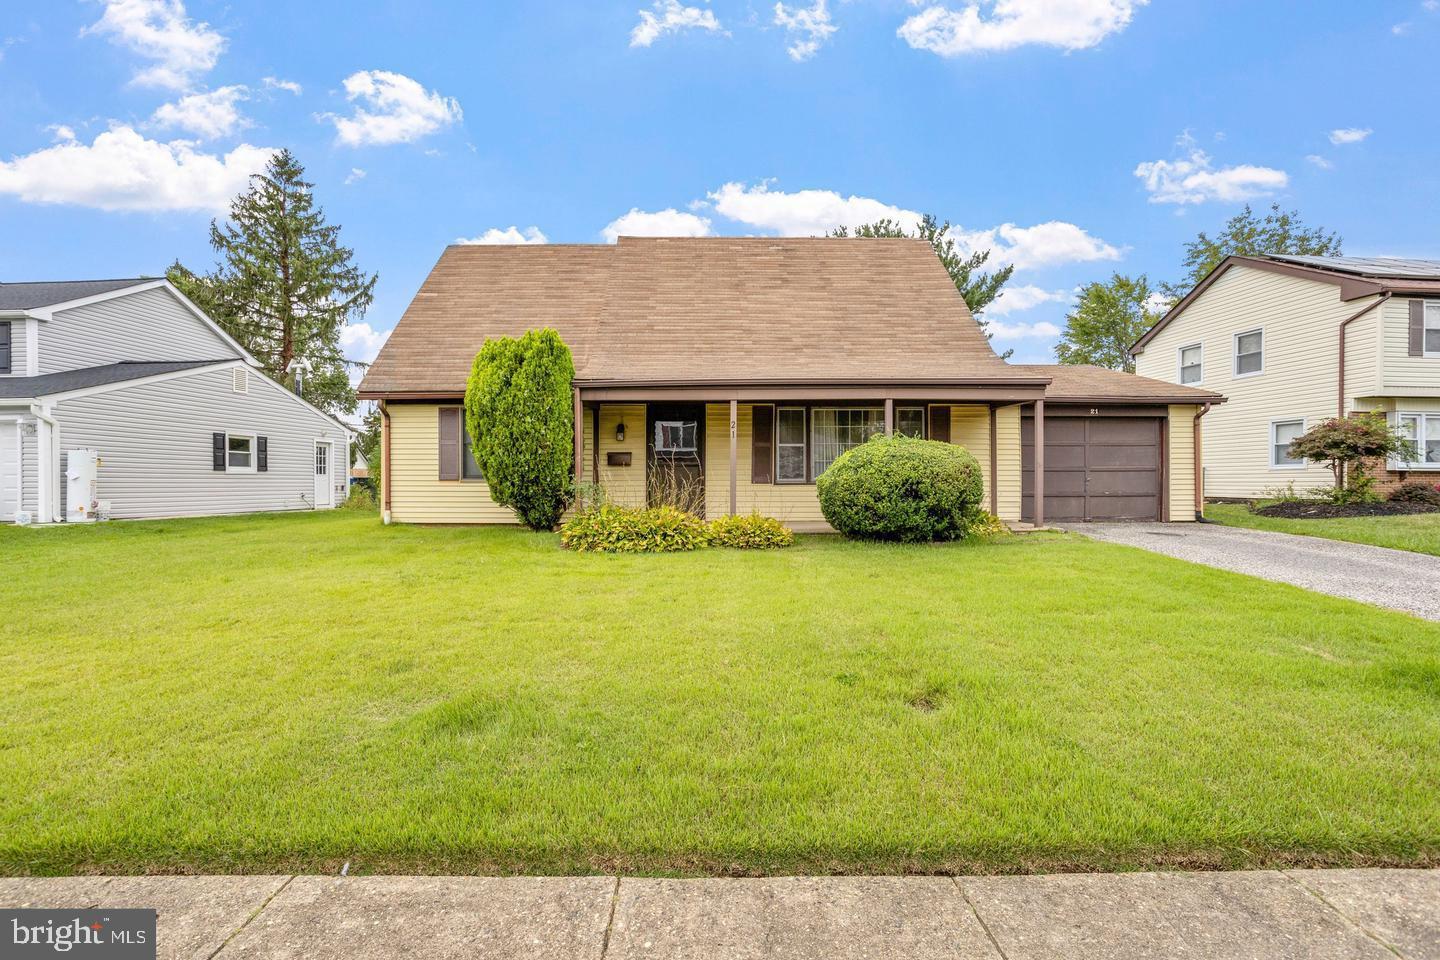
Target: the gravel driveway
pixel 1388 578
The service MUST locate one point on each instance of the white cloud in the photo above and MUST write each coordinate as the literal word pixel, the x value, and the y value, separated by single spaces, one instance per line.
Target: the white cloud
pixel 354 176
pixel 62 131
pixel 1319 161
pixel 362 342
pixel 804 213
pixel 1019 299
pixel 289 86
pixel 209 115
pixel 811 213
pixel 1195 180
pixel 660 223
pixel 807 27
pixel 123 170
pixel 508 235
pixel 1158 302
pixel 394 109
pixel 669 16
pixel 1007 24
pixel 1043 245
pixel 159 30
pixel 1019 331
pixel 1349 135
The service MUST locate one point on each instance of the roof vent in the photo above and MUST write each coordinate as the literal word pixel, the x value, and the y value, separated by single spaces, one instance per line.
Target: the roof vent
pixel 240 380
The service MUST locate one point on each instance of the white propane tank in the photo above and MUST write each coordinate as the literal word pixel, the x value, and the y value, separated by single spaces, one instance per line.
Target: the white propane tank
pixel 81 475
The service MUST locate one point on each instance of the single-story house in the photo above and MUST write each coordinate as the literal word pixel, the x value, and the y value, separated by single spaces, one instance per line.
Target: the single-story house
pixel 742 367
pixel 164 413
pixel 1293 341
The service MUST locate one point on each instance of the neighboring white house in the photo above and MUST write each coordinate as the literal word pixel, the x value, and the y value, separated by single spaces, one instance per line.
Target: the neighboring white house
pixel 182 419
pixel 1291 341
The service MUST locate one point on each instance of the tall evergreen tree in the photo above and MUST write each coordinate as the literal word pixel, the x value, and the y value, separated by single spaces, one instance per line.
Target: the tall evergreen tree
pixel 978 289
pixel 1248 235
pixel 1107 319
pixel 284 287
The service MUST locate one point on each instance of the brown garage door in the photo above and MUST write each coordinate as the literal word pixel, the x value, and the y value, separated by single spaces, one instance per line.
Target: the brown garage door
pixel 1096 468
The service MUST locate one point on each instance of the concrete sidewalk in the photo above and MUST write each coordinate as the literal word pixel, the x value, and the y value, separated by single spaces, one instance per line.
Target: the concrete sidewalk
pixel 1316 914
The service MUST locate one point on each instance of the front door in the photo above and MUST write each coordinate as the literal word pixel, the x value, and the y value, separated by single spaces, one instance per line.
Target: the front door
pixel 675 465
pixel 324 490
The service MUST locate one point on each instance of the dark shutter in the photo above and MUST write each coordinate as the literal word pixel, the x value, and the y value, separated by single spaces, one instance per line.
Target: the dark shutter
pixel 1417 328
pixel 450 443
pixel 217 451
pixel 262 454
pixel 5 347
pixel 762 444
pixel 940 424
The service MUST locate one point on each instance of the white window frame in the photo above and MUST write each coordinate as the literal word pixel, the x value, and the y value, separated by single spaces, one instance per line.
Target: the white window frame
pixel 1420 420
pixel 1180 364
pixel 1235 345
pixel 1274 464
pixel 804 445
pixel 1429 311
pixel 811 466
pixel 254 452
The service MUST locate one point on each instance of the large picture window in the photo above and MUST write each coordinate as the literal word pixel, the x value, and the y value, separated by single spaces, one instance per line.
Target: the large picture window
pixel 790 445
pixel 834 430
pixel 1423 430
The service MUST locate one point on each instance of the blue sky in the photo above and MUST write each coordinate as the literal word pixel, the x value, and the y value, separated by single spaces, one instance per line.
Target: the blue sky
pixel 1073 137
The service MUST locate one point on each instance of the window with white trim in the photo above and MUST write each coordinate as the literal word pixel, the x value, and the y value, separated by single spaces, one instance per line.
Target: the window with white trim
pixel 1282 434
pixel 239 452
pixel 676 436
pixel 833 430
pixel 910 421
pixel 1249 353
pixel 1422 430
pixel 469 468
pixel 790 445
pixel 1192 366
pixel 1431 347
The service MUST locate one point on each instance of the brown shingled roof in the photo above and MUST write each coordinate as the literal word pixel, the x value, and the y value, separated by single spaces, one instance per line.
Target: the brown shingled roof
pixel 711 310
pixel 1081 382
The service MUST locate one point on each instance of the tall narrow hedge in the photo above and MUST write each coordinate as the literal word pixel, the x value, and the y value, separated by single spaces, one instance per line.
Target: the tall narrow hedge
pixel 520 413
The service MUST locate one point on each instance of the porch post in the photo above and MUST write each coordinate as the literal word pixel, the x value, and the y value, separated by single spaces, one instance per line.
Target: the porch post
pixel 889 416
pixel 579 441
pixel 1039 463
pixel 994 462
pixel 734 449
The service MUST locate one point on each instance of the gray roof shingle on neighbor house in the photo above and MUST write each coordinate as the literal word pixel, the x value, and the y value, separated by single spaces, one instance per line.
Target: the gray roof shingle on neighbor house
pixel 1385 268
pixel 67 380
pixel 30 295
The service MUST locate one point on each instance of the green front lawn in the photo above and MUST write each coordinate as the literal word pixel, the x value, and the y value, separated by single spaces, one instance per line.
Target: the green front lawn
pixel 1417 532
pixel 291 692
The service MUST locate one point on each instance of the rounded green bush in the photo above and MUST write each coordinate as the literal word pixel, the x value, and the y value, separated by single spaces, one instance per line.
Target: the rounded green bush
pixel 750 532
pixel 901 488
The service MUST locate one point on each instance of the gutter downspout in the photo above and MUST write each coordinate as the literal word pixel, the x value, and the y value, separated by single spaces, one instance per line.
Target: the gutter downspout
pixel 1340 405
pixel 46 460
pixel 384 463
pixel 1199 465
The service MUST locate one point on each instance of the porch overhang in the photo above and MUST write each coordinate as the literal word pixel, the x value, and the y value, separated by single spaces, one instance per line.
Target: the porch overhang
pixel 992 389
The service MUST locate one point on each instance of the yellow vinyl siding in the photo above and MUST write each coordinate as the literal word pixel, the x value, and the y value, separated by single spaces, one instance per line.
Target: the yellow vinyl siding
pixel 1402 373
pixel 417 495
pixel 1181 452
pixel 790 503
pixel 622 485
pixel 970 428
pixel 1301 320
pixel 1007 455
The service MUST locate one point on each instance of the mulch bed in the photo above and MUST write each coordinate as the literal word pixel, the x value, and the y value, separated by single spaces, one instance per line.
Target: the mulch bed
pixel 1315 510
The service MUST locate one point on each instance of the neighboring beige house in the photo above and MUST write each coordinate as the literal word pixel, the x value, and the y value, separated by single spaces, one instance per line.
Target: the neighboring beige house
pixel 1292 341
pixel 744 367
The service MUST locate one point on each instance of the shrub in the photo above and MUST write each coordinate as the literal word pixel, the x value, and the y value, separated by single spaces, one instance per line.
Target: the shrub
pixel 362 498
pixel 752 532
pixel 1416 491
pixel 986 526
pixel 901 488
pixel 1344 444
pixel 520 414
pixel 612 529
